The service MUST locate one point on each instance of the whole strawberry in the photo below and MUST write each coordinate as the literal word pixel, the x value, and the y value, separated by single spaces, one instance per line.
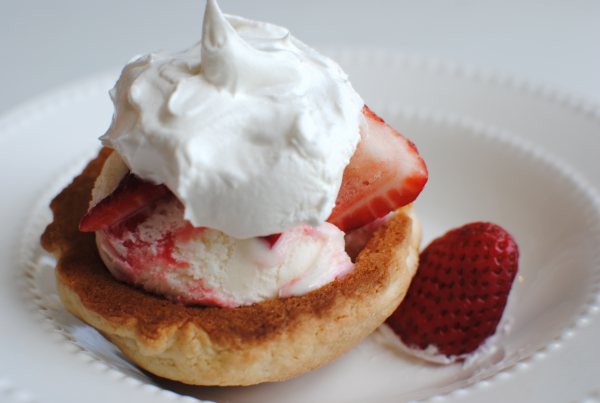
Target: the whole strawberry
pixel 459 292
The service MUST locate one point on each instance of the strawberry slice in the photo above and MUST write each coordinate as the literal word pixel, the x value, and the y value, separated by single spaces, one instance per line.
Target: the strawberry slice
pixel 271 239
pixel 458 295
pixel 385 173
pixel 131 196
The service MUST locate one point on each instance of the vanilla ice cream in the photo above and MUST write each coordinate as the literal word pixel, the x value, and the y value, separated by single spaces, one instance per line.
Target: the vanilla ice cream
pixel 159 250
pixel 250 128
pixel 168 256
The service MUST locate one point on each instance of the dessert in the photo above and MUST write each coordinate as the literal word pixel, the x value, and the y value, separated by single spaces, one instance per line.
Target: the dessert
pixel 458 295
pixel 211 248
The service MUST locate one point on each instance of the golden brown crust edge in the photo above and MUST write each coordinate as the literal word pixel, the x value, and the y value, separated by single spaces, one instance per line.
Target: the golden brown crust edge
pixel 266 342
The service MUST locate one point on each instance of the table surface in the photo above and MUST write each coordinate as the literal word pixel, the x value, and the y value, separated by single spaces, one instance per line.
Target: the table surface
pixel 48 43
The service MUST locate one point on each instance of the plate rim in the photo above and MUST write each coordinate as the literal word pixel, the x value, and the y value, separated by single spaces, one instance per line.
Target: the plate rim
pixel 50 101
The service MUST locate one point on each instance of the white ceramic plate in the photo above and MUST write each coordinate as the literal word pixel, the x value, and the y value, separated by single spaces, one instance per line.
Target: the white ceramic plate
pixel 498 171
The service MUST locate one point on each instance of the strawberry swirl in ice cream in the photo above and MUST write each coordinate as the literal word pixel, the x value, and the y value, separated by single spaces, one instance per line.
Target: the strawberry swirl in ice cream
pixel 250 128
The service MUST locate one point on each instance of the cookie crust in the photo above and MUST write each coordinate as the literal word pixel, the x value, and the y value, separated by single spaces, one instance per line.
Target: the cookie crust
pixel 265 342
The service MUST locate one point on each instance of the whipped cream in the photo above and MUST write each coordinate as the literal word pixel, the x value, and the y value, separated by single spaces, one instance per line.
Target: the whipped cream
pixel 250 128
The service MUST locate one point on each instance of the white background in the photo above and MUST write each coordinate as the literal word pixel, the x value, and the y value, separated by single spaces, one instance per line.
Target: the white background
pixel 44 44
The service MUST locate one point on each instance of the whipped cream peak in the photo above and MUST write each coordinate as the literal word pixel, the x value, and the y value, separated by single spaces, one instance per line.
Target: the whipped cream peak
pixel 250 128
pixel 233 64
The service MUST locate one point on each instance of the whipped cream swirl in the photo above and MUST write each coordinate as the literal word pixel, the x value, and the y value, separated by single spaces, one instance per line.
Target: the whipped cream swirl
pixel 250 128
